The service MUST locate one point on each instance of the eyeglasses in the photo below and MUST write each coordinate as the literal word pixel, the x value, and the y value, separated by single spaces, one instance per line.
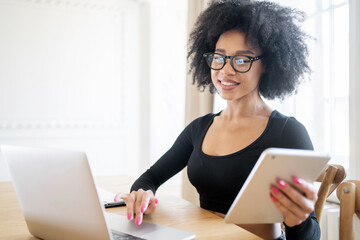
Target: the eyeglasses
pixel 240 63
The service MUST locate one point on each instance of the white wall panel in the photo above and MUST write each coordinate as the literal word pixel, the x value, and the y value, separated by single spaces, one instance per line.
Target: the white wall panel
pixel 168 45
pixel 63 73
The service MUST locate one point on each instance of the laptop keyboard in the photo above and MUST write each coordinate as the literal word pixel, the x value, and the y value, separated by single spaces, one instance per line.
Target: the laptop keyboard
pixel 124 236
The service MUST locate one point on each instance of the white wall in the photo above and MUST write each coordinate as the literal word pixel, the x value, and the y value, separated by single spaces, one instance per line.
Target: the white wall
pixel 104 77
pixel 168 36
pixel 64 66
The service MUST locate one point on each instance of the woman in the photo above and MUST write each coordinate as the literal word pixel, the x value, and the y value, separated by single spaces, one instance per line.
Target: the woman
pixel 244 51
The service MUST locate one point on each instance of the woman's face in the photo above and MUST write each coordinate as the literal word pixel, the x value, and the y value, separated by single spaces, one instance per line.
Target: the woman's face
pixel 232 85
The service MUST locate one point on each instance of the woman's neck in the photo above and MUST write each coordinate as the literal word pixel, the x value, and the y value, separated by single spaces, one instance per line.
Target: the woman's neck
pixel 246 108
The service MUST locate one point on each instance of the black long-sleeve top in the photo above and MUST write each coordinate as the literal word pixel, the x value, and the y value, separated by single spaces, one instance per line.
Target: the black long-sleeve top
pixel 218 179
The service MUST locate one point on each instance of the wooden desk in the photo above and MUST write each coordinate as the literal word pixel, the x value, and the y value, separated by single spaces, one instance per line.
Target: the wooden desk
pixel 172 211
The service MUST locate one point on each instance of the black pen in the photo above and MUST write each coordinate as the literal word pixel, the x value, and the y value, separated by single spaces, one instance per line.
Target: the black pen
pixel 114 204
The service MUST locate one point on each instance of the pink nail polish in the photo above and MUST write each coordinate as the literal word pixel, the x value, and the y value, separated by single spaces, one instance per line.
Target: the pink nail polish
pixel 138 221
pixel 275 190
pixel 274 199
pixel 142 209
pixel 130 216
pixel 297 180
pixel 281 183
pixel 115 199
pixel 156 201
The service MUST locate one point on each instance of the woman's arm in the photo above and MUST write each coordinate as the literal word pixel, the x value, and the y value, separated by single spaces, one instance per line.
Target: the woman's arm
pixel 141 198
pixel 297 206
pixel 172 162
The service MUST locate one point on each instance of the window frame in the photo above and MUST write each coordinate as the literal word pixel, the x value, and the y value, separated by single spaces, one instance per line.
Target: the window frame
pixel 354 96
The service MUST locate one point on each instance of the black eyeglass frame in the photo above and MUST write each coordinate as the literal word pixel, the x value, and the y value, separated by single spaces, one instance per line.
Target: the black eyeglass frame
pixel 251 60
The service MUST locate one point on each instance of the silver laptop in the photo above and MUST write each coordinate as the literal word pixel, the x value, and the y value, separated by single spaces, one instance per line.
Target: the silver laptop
pixel 59 200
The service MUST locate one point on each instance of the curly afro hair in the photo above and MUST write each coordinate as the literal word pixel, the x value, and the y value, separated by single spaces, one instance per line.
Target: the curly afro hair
pixel 272 28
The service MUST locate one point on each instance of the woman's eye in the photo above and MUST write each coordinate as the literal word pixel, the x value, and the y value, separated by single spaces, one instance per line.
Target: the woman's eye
pixel 219 60
pixel 239 61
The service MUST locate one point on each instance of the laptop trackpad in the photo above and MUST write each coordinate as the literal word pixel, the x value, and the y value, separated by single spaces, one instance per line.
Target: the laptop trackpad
pixel 120 223
pixel 146 230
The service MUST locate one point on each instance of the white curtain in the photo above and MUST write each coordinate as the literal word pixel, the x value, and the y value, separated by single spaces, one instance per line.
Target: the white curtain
pixel 197 103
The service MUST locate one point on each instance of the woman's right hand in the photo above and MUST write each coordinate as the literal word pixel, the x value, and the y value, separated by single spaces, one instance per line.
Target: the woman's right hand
pixel 138 202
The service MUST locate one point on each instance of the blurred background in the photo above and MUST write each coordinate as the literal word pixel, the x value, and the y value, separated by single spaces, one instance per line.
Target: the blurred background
pixel 105 77
pixel 110 78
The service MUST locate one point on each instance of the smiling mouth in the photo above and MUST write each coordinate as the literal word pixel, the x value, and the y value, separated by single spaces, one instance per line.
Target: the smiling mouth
pixel 229 83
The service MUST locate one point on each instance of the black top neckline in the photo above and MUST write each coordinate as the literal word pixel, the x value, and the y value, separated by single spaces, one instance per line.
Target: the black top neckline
pixel 241 150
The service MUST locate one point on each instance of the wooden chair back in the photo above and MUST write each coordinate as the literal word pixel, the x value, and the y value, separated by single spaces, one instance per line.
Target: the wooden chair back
pixel 348 193
pixel 333 175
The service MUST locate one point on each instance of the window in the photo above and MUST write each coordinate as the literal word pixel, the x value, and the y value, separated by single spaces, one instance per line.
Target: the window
pixel 322 104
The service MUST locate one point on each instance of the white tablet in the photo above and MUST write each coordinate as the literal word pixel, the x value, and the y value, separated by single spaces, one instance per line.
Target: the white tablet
pixel 253 203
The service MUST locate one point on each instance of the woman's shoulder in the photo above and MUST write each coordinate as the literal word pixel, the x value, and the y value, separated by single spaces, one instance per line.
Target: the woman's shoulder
pixel 199 125
pixel 292 133
pixel 204 120
pixel 285 121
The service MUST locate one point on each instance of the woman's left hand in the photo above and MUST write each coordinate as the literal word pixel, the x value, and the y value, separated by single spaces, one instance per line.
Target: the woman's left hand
pixel 294 203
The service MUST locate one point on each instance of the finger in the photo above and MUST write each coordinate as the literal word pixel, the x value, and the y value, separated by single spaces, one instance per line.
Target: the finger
pixel 152 206
pixel 290 205
pixel 145 201
pixel 138 203
pixel 290 219
pixel 306 187
pixel 297 197
pixel 123 196
pixel 130 205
